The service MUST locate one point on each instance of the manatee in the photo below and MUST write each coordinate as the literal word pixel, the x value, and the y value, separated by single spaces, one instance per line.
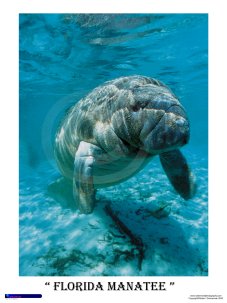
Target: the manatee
pixel 114 131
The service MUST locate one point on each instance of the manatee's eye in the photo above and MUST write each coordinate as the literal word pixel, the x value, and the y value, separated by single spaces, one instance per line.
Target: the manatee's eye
pixel 139 105
pixel 135 107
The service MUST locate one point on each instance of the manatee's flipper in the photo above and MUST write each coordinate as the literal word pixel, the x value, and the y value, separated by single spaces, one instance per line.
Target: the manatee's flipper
pixel 83 186
pixel 178 172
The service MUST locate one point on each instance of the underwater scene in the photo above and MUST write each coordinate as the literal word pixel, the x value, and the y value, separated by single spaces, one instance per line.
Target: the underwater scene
pixel 150 224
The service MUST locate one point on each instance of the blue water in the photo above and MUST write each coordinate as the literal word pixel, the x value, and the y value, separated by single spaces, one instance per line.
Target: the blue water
pixel 62 58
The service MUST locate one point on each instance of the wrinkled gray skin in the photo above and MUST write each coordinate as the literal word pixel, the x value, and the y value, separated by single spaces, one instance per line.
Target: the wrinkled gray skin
pixel 115 130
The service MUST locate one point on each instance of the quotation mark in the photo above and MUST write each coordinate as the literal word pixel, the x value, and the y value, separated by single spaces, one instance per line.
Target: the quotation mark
pixel 171 283
pixel 47 283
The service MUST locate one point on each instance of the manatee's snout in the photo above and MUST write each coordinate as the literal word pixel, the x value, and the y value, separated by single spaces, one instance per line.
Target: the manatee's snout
pixel 170 132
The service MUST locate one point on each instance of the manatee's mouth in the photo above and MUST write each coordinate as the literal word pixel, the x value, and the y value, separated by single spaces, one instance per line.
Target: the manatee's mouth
pixel 160 118
pixel 169 132
pixel 166 111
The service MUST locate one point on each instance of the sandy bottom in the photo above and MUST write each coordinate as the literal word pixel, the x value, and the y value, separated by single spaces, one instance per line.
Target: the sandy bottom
pixel 55 239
